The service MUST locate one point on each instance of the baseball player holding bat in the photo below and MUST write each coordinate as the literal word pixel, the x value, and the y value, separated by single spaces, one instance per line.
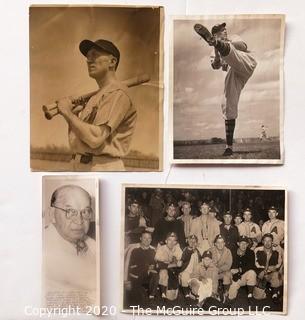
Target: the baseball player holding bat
pixel 101 132
pixel 233 57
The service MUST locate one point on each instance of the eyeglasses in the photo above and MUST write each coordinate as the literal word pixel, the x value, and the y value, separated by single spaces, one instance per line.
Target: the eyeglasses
pixel 73 213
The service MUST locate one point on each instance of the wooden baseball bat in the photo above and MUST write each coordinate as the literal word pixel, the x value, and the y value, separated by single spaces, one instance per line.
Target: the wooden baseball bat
pixel 51 110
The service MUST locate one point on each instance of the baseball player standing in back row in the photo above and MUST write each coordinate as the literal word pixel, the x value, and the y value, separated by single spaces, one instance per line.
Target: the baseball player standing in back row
pixel 233 57
pixel 100 135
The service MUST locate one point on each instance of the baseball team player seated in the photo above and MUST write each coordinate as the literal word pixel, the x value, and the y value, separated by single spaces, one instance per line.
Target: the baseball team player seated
pixel 268 262
pixel 222 259
pixel 142 269
pixel 100 134
pixel 190 257
pixel 203 281
pixel 231 56
pixel 242 269
pixel 168 259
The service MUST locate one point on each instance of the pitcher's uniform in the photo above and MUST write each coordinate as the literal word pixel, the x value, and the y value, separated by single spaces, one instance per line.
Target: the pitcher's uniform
pixel 239 66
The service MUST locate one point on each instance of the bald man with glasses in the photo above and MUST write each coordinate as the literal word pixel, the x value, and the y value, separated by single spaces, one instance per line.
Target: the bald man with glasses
pixel 70 254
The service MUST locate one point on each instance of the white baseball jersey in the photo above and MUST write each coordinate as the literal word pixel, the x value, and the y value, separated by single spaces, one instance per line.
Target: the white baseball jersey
pixel 241 65
pixel 276 227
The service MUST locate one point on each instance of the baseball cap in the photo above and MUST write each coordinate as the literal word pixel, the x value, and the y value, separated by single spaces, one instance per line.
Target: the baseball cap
pixel 171 235
pixel 134 201
pixel 219 237
pixel 171 204
pixel 228 213
pixel 218 27
pixel 213 209
pixel 100 44
pixel 203 202
pixel 192 236
pixel 267 235
pixel 207 254
pixel 243 238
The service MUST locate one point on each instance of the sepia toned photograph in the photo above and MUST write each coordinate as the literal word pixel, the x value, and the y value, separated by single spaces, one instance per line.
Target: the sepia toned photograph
pixel 204 249
pixel 70 232
pixel 96 88
pixel 227 89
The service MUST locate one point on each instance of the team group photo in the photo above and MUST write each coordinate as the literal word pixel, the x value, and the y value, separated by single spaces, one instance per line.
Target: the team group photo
pixel 227 89
pixel 198 248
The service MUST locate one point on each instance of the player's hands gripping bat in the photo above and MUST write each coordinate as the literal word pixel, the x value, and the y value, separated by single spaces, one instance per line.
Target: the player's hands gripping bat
pixel 79 103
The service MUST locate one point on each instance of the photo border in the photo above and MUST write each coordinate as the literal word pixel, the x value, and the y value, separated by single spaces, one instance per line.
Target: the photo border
pixel 160 85
pixel 74 178
pixel 172 160
pixel 203 187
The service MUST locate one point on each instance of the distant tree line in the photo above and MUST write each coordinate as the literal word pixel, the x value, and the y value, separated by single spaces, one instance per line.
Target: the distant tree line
pixel 52 152
pixel 214 140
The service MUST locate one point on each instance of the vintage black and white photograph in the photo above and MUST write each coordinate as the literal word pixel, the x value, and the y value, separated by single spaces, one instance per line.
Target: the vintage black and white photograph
pixel 96 88
pixel 70 249
pixel 227 89
pixel 204 248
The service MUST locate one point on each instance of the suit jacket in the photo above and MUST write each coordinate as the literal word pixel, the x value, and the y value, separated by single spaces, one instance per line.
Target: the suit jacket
pixel 65 270
pixel 230 235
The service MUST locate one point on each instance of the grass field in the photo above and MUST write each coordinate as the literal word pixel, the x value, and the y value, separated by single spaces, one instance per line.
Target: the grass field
pixel 54 158
pixel 245 150
pixel 130 165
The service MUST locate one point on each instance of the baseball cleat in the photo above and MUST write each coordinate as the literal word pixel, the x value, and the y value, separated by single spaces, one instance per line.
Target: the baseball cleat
pixel 275 298
pixel 225 297
pixel 193 296
pixel 204 33
pixel 228 152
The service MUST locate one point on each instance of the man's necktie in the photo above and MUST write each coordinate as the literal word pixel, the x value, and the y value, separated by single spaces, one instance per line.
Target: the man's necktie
pixel 81 247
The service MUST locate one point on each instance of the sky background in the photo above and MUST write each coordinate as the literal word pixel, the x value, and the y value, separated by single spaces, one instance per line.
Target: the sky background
pixel 58 69
pixel 198 88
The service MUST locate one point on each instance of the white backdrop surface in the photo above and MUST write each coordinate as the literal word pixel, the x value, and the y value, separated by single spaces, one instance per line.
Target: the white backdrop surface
pixel 20 189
